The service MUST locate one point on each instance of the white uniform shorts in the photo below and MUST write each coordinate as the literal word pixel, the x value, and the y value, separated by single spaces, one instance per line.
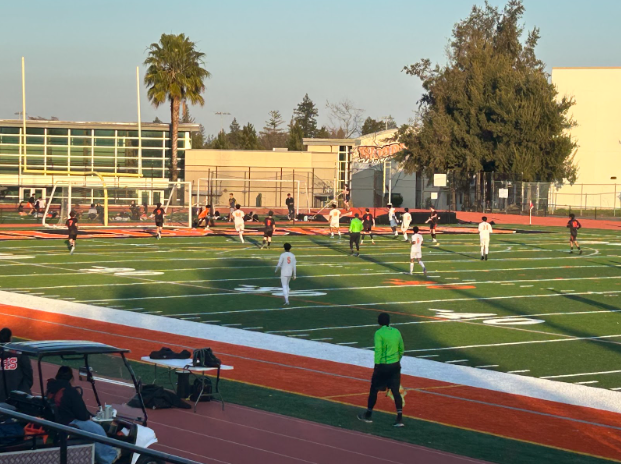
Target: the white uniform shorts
pixel 415 254
pixel 239 227
pixel 404 226
pixel 335 225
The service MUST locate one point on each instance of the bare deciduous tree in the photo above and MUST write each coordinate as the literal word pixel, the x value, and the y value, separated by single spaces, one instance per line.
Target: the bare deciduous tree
pixel 344 115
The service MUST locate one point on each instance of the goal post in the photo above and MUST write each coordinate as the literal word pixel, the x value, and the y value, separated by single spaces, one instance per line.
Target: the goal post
pixel 119 203
pixel 251 193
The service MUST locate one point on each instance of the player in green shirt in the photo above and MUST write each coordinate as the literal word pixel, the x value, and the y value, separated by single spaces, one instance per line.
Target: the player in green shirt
pixel 387 372
pixel 355 227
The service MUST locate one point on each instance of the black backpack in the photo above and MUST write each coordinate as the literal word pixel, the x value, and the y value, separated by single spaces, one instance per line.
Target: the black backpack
pixel 204 357
pixel 196 390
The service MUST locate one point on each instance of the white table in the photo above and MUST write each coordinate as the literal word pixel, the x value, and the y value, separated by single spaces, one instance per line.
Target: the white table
pixel 184 368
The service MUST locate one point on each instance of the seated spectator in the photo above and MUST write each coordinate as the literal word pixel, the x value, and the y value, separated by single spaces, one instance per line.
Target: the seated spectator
pixel 17 370
pixel 100 212
pixel 71 410
pixel 134 211
pixel 31 204
pixel 92 212
pixel 20 209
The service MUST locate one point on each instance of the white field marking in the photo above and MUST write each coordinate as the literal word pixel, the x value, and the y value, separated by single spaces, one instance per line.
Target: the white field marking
pixel 189 318
pixel 518 372
pixel 478 367
pixel 447 300
pixel 525 286
pixel 320 339
pixel 347 343
pixel 298 335
pixel 152 312
pixel 456 361
pixel 428 356
pixel 588 382
pixel 252 328
pixel 160 282
pixel 229 325
pixel 616 388
pixel 564 376
pixel 568 338
pixel 229 292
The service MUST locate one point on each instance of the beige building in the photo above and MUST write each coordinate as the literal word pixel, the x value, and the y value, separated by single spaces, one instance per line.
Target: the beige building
pixel 261 178
pixel 597 111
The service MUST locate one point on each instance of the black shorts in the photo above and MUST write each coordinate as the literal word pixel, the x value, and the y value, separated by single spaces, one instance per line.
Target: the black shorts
pixel 386 376
pixel 366 227
pixel 73 235
pixel 573 235
pixel 347 197
pixel 433 226
pixel 268 232
pixel 159 223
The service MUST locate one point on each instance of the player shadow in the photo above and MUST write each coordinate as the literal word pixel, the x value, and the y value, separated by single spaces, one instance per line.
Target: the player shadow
pixel 446 250
pixel 589 302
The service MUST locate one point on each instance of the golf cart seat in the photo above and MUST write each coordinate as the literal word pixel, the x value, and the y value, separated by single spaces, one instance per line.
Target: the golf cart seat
pixel 31 405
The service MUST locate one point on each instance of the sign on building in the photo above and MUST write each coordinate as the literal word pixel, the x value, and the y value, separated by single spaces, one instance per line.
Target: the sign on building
pixel 439 180
pixel 503 193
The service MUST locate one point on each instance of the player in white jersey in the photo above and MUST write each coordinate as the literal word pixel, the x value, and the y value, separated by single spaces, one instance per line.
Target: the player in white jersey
pixel 286 264
pixel 406 220
pixel 416 252
pixel 335 216
pixel 485 230
pixel 238 220
pixel 392 218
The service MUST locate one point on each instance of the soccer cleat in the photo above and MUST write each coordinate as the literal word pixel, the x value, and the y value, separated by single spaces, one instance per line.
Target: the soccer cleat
pixel 72 250
pixel 398 423
pixel 411 273
pixel 357 255
pixel 580 252
pixel 373 242
pixel 361 242
pixel 571 252
pixel 365 417
pixel 286 303
pixel 351 252
pixel 485 257
pixel 425 271
pixel 482 257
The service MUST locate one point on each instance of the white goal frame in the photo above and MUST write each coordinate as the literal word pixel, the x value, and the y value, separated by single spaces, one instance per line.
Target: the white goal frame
pixel 205 184
pixel 97 184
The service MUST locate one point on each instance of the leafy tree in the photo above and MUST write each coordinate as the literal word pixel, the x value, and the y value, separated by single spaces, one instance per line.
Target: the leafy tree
pixel 296 133
pixel 323 133
pixel 234 134
pixel 491 107
pixel 221 142
pixel 158 120
pixel 248 139
pixel 372 125
pixel 305 115
pixel 272 135
pixel 344 115
pixel 175 73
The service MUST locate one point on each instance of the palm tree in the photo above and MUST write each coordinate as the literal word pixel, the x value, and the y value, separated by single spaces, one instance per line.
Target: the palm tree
pixel 175 72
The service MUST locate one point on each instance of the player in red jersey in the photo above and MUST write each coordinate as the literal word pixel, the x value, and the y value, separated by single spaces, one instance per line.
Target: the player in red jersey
pixel 72 227
pixel 573 226
pixel 270 225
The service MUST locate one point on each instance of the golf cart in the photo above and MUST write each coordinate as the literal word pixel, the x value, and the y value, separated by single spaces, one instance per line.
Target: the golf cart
pixel 79 354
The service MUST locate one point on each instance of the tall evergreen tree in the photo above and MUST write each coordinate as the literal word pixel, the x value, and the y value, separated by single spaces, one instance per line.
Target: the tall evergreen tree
pixel 296 133
pixel 234 134
pixel 248 139
pixel 492 106
pixel 272 135
pixel 305 115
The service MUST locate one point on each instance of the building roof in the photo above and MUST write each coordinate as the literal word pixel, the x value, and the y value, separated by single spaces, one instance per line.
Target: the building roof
pixel 96 125
pixel 586 67
pixel 381 135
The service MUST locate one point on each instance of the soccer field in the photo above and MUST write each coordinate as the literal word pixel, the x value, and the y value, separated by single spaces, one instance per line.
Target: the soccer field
pixel 532 309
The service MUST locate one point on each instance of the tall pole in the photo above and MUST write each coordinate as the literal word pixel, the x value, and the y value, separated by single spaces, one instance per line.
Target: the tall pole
pixel 23 116
pixel 222 114
pixel 139 122
pixel 390 182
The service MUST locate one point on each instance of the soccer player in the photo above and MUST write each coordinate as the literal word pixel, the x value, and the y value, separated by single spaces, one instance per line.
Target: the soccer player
pixel 433 222
pixel 368 222
pixel 290 202
pixel 346 197
pixel 232 203
pixel 238 218
pixel 485 229
pixel 158 214
pixel 392 217
pixel 387 372
pixel 286 264
pixel 573 226
pixel 335 216
pixel 406 220
pixel 270 224
pixel 416 252
pixel 72 227
pixel 355 227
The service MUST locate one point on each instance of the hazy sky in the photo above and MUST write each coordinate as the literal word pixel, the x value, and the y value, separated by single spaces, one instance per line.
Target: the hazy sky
pixel 81 56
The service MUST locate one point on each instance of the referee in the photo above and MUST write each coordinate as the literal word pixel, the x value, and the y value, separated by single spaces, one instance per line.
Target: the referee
pixel 355 227
pixel 387 372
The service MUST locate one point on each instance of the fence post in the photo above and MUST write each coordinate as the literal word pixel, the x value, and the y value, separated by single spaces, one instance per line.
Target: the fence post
pixel 62 435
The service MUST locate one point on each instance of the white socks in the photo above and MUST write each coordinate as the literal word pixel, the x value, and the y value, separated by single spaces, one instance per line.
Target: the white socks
pixel 241 237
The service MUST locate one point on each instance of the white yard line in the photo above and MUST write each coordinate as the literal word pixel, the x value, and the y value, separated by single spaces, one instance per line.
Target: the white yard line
pixel 565 376
pixel 456 361
pixel 588 382
pixel 477 367
pixel 518 372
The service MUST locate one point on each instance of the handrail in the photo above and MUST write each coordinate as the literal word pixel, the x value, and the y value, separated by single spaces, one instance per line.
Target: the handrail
pixel 66 430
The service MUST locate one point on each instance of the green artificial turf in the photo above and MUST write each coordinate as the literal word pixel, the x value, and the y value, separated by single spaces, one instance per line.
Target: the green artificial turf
pixel 573 300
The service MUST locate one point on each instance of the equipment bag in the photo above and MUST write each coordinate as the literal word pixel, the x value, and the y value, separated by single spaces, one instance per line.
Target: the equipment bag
pixel 196 389
pixel 204 357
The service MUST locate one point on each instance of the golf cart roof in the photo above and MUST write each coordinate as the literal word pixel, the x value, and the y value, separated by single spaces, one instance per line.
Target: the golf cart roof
pixel 61 347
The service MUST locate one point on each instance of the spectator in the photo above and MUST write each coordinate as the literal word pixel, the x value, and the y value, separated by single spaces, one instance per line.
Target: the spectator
pixel 31 204
pixel 71 410
pixel 100 212
pixel 17 370
pixel 20 209
pixel 92 212
pixel 134 211
pixel 40 205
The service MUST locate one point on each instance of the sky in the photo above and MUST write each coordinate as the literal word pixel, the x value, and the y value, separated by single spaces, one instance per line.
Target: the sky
pixel 81 57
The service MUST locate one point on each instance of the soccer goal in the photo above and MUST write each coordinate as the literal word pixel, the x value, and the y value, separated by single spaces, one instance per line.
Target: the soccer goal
pixel 118 202
pixel 251 193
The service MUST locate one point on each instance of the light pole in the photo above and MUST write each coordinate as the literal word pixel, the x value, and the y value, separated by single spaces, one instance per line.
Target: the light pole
pixel 222 114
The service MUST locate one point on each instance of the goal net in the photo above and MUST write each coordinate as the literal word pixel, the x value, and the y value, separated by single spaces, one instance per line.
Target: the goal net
pixel 251 194
pixel 120 202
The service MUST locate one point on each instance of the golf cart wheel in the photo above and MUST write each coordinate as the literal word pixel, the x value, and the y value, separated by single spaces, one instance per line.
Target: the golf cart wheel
pixel 148 460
